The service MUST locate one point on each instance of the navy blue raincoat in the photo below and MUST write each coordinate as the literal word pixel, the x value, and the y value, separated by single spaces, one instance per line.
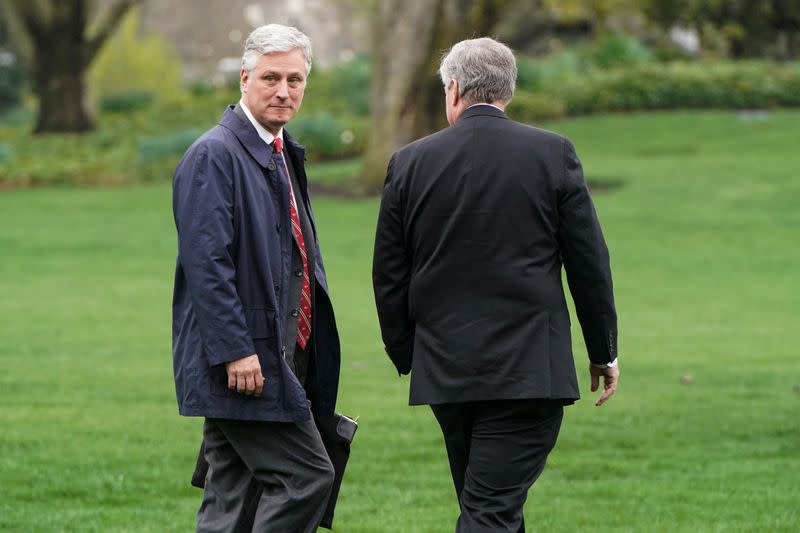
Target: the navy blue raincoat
pixel 234 257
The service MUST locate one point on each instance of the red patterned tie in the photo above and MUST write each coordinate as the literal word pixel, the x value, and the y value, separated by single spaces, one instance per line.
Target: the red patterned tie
pixel 304 322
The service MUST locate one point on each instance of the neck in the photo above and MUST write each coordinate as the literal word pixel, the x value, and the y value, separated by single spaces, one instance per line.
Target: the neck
pixel 499 104
pixel 461 107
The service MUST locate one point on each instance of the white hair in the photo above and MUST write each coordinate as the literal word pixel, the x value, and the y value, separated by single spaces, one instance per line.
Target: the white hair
pixel 485 69
pixel 274 38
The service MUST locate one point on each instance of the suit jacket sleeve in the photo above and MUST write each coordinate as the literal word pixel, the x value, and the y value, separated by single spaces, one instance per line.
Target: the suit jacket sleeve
pixel 391 273
pixel 586 261
pixel 203 208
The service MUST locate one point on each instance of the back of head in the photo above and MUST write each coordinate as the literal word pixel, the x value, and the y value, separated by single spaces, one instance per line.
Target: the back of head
pixel 485 69
pixel 274 38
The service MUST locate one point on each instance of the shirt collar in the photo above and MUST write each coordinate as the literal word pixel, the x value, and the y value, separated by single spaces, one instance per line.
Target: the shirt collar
pixel 265 134
pixel 483 103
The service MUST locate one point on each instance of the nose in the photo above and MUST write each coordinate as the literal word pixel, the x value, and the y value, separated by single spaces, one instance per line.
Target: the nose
pixel 283 90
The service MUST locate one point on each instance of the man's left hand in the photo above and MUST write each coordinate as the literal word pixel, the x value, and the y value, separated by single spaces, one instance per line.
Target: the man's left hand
pixel 610 377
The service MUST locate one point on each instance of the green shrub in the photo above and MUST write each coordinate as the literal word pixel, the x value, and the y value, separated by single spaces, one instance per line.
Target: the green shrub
pixel 728 85
pixel 12 76
pixel 530 107
pixel 318 132
pixel 611 51
pixel 12 81
pixel 201 87
pixel 355 78
pixel 326 137
pixel 70 159
pixel 126 102
pixel 5 152
pixel 342 90
pixel 617 50
pixel 172 144
pixel 683 85
pixel 18 116
pixel 529 75
pixel 535 74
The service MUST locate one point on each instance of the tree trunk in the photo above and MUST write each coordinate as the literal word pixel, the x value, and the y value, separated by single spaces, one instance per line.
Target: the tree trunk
pixel 407 97
pixel 62 104
pixel 61 91
pixel 455 20
pixel 58 41
pixel 61 59
pixel 401 35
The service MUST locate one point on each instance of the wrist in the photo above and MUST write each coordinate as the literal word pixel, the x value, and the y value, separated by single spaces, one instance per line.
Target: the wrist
pixel 612 364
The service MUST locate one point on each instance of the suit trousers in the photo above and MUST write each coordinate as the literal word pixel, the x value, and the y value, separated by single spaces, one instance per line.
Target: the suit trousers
pixel 496 450
pixel 285 463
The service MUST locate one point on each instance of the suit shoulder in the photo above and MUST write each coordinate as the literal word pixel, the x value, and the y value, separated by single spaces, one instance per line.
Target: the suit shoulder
pixel 539 134
pixel 421 145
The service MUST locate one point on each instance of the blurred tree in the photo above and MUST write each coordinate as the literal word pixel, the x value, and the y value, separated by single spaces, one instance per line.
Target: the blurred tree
pixel 58 39
pixel 749 27
pixel 593 12
pixel 133 63
pixel 739 28
pixel 407 98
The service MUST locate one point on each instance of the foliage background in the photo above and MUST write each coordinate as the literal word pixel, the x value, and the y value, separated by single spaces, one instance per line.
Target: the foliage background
pixel 144 131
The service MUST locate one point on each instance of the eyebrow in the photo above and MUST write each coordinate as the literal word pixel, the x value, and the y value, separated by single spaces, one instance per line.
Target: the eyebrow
pixel 280 73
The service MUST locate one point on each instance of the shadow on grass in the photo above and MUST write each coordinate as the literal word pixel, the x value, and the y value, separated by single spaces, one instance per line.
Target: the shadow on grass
pixel 600 185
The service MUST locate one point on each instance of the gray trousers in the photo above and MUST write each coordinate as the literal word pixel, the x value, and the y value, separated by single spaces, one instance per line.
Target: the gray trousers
pixel 285 463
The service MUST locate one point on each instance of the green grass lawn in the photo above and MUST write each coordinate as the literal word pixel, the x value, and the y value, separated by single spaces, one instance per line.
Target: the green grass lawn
pixel 703 231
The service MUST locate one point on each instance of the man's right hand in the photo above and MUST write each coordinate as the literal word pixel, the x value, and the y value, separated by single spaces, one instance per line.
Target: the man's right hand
pixel 244 375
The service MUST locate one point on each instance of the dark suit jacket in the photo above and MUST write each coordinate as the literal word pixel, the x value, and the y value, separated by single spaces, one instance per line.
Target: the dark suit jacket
pixel 474 226
pixel 234 262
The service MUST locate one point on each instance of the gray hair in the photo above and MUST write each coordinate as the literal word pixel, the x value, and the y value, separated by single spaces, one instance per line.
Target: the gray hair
pixel 274 38
pixel 485 69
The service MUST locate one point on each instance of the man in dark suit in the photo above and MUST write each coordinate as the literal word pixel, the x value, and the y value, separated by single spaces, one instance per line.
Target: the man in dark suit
pixel 474 226
pixel 255 344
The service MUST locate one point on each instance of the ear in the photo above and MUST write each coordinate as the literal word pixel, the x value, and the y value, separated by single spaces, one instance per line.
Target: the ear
pixel 456 97
pixel 243 77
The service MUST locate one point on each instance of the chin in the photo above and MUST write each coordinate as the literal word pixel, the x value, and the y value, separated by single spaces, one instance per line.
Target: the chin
pixel 277 124
pixel 281 118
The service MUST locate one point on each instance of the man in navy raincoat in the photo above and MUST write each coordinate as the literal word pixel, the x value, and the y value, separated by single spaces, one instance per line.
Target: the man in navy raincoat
pixel 255 345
